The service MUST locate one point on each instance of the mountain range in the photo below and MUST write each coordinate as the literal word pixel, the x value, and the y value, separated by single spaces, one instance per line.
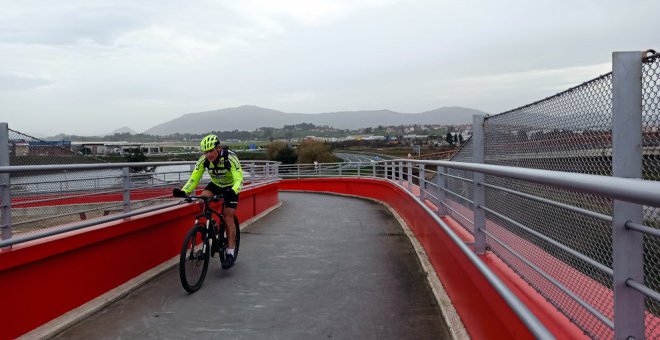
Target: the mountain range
pixel 250 118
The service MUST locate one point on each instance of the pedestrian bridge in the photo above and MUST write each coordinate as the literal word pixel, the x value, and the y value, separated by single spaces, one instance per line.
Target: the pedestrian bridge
pixel 545 224
pixel 398 264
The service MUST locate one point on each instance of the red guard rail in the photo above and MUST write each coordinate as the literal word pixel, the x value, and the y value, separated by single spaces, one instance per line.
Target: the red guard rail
pixel 41 280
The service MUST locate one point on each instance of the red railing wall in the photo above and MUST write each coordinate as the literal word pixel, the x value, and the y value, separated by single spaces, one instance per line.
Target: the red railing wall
pixel 43 279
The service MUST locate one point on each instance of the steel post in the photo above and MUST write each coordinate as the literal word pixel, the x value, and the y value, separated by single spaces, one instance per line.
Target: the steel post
pixel 126 180
pixel 5 189
pixel 478 156
pixel 441 181
pixel 627 163
pixel 410 176
pixel 422 182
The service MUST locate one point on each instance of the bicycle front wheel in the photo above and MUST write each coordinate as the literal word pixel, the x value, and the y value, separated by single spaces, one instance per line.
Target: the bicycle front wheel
pixel 194 259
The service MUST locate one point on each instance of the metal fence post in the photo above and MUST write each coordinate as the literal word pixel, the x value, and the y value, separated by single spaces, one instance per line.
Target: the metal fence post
pixel 410 181
pixel 373 168
pixel 252 173
pixel 276 173
pixel 422 182
pixel 401 171
pixel 126 179
pixel 627 162
pixel 298 170
pixel 5 190
pixel 359 166
pixel 441 181
pixel 478 156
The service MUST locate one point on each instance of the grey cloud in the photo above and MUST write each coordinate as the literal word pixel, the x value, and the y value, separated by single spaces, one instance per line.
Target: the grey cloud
pixel 16 82
pixel 96 24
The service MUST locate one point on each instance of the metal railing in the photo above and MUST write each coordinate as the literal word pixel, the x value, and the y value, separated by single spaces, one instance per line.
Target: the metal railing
pixel 575 212
pixel 45 200
pixel 535 249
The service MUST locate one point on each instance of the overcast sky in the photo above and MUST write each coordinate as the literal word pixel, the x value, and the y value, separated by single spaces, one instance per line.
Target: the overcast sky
pixel 89 67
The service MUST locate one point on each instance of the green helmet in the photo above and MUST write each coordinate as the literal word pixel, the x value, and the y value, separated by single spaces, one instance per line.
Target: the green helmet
pixel 208 143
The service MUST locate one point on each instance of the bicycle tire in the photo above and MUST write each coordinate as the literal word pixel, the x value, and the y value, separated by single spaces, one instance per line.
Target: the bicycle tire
pixel 223 234
pixel 194 259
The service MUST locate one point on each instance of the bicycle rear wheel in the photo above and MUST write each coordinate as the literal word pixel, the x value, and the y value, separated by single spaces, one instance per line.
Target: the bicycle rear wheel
pixel 194 259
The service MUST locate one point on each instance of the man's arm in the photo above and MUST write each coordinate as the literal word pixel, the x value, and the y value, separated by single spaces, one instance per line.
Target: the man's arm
pixel 236 173
pixel 195 176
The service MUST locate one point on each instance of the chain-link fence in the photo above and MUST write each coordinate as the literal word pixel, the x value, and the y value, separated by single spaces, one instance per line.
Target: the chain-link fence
pixel 27 150
pixel 651 171
pixel 571 132
pixel 56 198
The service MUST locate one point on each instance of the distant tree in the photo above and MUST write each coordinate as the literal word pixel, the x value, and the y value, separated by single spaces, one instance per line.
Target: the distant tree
pixel 286 156
pixel 310 151
pixel 460 138
pixel 455 139
pixel 267 132
pixel 449 138
pixel 368 130
pixel 274 148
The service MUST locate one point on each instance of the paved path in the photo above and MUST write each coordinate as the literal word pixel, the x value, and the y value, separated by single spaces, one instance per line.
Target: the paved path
pixel 319 267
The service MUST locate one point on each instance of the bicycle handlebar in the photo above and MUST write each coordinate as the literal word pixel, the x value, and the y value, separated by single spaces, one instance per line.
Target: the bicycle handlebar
pixel 180 193
pixel 215 198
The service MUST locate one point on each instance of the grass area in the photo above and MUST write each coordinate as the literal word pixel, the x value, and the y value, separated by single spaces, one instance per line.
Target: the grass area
pixel 393 152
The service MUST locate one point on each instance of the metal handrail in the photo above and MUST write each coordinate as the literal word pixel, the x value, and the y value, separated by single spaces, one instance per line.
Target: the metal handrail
pixel 632 190
pixel 260 172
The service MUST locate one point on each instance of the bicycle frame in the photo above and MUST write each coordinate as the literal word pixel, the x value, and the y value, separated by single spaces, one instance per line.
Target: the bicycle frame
pixel 207 212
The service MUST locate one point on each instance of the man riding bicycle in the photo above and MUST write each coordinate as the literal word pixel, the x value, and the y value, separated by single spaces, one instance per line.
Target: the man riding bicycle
pixel 224 168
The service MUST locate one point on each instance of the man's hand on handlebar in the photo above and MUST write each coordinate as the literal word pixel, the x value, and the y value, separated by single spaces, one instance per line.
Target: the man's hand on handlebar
pixel 182 194
pixel 179 193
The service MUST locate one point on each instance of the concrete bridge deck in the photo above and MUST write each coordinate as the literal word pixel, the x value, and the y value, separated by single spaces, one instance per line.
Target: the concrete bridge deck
pixel 319 267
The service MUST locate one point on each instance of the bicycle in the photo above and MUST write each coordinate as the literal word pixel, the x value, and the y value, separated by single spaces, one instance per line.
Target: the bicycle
pixel 195 252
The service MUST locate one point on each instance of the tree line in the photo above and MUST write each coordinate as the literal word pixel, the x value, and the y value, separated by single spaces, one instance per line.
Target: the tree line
pixel 294 131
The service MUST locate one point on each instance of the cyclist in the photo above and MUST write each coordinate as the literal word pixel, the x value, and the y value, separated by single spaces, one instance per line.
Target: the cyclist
pixel 226 175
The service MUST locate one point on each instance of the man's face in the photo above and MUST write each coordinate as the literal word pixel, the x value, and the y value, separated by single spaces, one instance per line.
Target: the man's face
pixel 211 155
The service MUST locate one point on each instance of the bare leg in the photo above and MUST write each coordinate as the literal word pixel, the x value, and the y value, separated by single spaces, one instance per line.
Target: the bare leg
pixel 231 227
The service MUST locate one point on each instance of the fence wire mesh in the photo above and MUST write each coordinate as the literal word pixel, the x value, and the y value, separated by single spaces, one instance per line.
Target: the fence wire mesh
pixel 651 171
pixel 27 150
pixel 54 199
pixel 459 205
pixel 569 132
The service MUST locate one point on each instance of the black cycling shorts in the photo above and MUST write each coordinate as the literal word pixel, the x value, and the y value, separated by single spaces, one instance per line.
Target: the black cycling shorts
pixel 230 197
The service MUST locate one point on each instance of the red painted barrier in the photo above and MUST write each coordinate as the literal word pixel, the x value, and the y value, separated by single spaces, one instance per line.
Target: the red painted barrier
pixel 483 312
pixel 43 279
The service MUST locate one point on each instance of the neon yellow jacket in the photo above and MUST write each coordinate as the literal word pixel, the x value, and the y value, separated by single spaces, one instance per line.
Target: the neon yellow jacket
pixel 225 172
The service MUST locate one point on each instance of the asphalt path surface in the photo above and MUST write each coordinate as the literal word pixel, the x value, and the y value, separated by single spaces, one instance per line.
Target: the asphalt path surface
pixel 319 267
